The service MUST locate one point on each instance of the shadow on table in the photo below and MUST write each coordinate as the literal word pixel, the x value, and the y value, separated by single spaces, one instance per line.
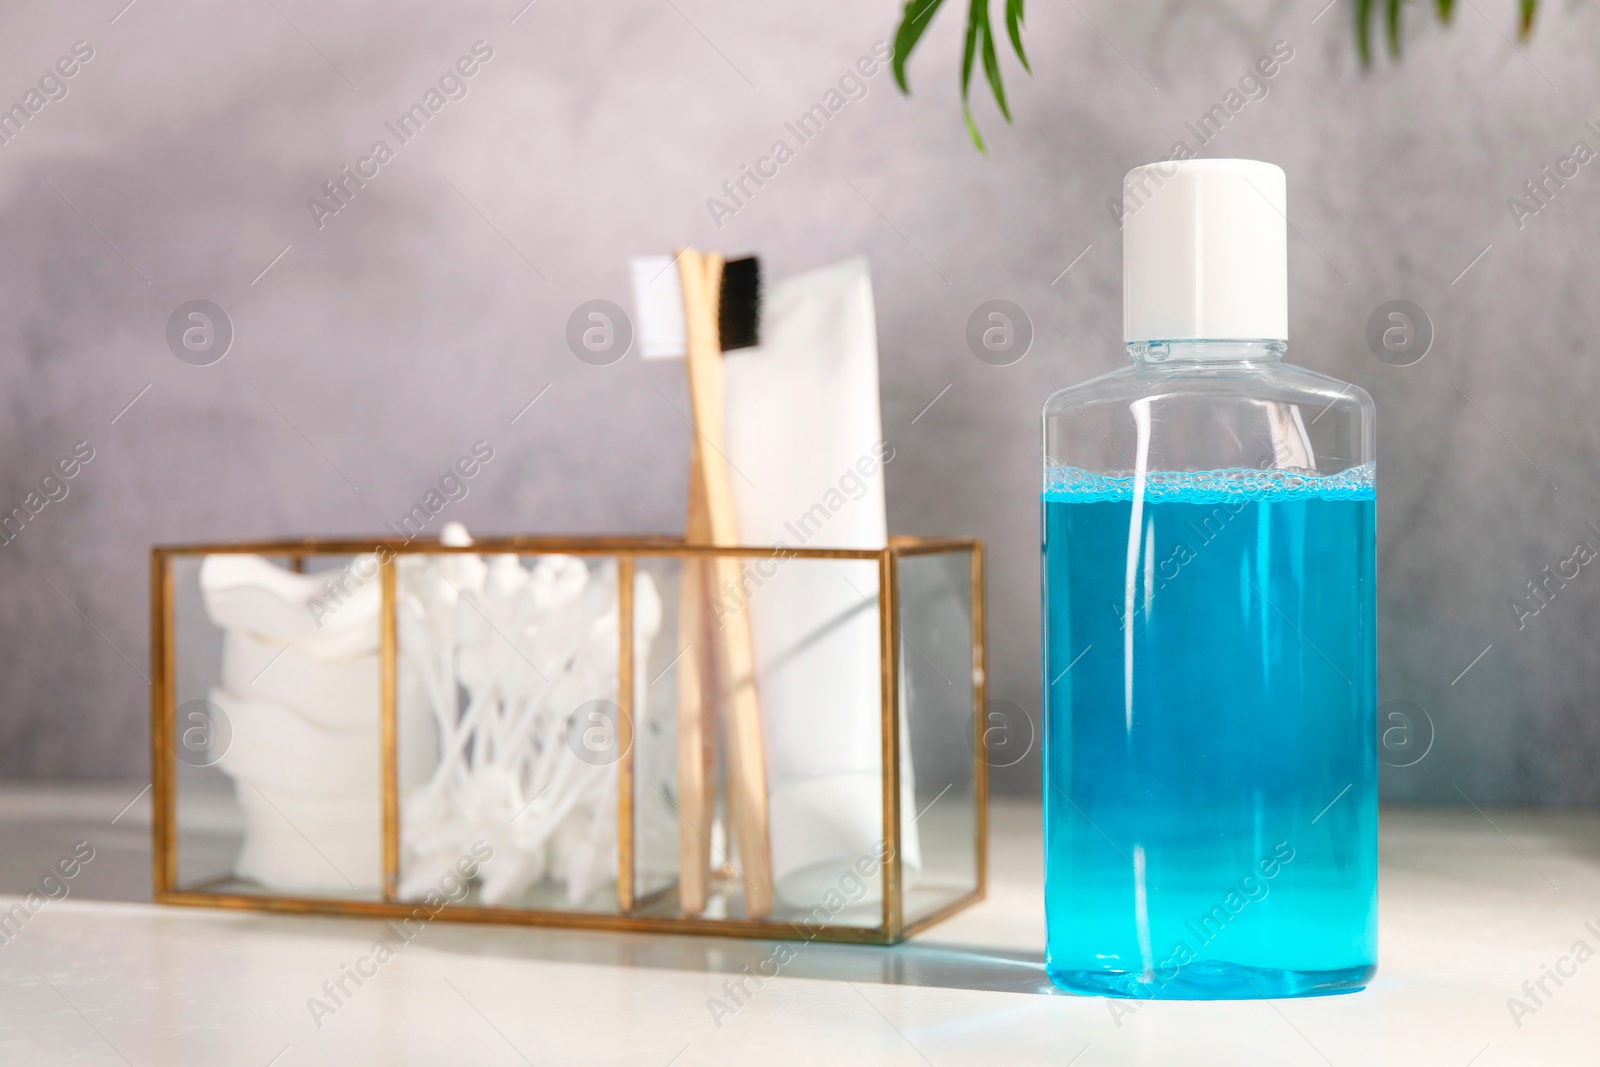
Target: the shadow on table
pixel 914 963
pixel 922 962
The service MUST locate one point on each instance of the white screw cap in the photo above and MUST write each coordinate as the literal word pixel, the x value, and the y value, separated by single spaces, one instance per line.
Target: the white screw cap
pixel 1205 251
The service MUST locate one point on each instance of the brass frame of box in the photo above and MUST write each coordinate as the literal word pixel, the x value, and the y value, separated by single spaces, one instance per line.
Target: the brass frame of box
pixel 626 551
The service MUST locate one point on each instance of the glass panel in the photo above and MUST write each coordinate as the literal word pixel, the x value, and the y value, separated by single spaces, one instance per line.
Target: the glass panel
pixel 275 725
pixel 937 697
pixel 814 633
pixel 508 729
pixel 819 651
pixel 655 734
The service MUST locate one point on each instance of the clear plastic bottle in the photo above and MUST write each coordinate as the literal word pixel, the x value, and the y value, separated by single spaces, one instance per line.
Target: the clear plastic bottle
pixel 1210 780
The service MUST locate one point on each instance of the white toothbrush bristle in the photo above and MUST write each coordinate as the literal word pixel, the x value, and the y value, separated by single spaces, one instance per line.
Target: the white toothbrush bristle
pixel 658 304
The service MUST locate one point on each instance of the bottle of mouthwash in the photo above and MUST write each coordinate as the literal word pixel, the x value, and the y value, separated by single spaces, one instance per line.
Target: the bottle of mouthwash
pixel 1210 780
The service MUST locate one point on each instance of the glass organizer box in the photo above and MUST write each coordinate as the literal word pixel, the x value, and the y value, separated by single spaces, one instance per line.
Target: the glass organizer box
pixel 559 732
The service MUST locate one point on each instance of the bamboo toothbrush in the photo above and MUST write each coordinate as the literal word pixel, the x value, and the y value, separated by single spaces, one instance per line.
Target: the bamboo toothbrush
pixel 697 796
pixel 713 307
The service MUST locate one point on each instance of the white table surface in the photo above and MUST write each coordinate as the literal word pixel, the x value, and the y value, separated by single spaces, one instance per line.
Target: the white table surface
pixel 1472 904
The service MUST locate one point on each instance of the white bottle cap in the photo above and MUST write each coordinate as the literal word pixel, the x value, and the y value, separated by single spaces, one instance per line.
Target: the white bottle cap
pixel 1205 251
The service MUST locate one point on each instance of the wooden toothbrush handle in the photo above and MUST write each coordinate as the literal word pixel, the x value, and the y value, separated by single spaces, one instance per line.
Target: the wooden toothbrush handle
pixel 697 790
pixel 744 750
pixel 743 745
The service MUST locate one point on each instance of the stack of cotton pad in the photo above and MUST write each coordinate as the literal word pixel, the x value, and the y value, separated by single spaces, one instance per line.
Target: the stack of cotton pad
pixel 300 688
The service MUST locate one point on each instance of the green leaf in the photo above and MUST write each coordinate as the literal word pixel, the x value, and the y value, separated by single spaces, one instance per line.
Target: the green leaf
pixel 1394 27
pixel 1014 19
pixel 914 19
pixel 1364 31
pixel 972 130
pixel 974 28
pixel 918 14
pixel 991 66
pixel 1529 9
pixel 1446 9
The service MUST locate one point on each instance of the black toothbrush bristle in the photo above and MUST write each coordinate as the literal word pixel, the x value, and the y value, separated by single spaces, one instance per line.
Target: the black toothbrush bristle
pixel 739 310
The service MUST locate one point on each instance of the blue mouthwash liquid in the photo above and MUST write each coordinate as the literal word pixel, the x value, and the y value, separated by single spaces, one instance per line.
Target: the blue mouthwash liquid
pixel 1210 789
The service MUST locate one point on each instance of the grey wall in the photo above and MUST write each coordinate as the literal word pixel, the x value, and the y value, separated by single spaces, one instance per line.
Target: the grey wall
pixel 427 313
